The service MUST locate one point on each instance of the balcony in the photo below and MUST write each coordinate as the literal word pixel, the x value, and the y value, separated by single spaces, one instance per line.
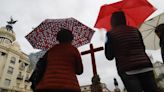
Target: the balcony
pixel 20 77
pixel 27 79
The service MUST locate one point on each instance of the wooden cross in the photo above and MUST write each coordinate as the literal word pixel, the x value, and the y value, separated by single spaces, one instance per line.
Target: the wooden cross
pixel 92 50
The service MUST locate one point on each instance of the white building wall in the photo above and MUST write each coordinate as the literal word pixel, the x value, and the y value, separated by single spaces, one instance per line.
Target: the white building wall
pixel 10 75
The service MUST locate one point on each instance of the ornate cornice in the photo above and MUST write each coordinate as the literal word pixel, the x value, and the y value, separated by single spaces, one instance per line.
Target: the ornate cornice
pixel 9 34
pixel 19 53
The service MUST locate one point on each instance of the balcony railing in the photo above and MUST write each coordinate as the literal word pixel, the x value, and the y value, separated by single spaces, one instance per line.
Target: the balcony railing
pixel 20 77
pixel 27 79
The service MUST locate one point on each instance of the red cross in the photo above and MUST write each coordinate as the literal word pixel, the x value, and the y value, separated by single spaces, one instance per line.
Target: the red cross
pixel 92 50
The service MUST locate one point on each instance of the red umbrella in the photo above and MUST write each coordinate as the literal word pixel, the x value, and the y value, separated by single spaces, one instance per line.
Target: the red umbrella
pixel 44 36
pixel 136 11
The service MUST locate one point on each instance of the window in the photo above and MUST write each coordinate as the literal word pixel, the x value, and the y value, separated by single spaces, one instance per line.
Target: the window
pixel 7 82
pixel 29 69
pixel 20 76
pixel 3 54
pixel 26 86
pixel 27 77
pixel 22 65
pixel 20 61
pixel 13 59
pixel 10 70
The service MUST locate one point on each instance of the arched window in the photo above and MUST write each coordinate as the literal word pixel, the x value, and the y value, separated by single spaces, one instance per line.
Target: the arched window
pixel 13 60
pixel 10 70
pixel 2 53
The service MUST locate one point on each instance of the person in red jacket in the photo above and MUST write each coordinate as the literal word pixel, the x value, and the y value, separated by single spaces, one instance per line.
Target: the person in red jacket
pixel 125 44
pixel 63 63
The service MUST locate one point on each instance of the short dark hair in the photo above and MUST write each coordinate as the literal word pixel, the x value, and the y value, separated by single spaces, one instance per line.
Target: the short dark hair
pixel 64 35
pixel 160 28
pixel 118 18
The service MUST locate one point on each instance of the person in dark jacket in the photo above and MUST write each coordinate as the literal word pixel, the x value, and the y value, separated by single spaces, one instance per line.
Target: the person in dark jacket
pixel 38 72
pixel 63 63
pixel 159 30
pixel 125 44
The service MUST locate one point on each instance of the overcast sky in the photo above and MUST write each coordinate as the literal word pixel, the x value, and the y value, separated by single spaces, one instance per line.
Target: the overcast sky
pixel 30 13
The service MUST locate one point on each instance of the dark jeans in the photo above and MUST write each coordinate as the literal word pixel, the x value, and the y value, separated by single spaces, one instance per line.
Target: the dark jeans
pixel 143 82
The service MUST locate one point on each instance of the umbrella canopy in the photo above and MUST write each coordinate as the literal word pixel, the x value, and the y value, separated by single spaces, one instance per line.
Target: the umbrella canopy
pixel 44 36
pixel 136 11
pixel 147 30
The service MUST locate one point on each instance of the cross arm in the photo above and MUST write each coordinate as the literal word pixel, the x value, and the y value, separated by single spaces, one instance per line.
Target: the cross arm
pixel 89 51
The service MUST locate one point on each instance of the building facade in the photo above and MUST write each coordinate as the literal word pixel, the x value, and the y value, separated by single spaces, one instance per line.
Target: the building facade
pixel 15 66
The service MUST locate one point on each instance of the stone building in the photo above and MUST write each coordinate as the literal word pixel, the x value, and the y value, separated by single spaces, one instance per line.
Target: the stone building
pixel 15 65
